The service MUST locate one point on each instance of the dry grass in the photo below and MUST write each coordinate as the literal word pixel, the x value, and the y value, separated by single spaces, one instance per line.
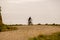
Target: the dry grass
pixel 25 32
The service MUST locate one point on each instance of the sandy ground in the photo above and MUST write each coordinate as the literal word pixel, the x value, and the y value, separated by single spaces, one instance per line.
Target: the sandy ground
pixel 25 32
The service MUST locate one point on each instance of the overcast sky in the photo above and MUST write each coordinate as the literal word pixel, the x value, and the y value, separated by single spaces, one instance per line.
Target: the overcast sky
pixel 41 11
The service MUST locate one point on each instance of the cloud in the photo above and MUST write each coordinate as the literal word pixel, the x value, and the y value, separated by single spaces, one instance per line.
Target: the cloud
pixel 22 1
pixel 17 11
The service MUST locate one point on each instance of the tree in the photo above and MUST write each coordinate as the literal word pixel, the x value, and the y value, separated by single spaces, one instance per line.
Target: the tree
pixel 0 18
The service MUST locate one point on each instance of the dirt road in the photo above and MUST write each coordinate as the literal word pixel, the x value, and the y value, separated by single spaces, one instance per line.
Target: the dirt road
pixel 24 32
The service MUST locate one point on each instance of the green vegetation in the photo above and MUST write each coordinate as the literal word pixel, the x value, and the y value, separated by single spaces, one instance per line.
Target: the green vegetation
pixel 38 24
pixel 7 28
pixel 54 36
pixel 52 24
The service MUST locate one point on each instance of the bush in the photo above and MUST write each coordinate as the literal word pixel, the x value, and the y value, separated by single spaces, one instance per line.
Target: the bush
pixel 53 24
pixel 38 24
pixel 46 24
pixel 7 28
pixel 0 28
pixel 54 36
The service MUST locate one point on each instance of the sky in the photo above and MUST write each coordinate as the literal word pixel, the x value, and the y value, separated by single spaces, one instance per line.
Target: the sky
pixel 41 11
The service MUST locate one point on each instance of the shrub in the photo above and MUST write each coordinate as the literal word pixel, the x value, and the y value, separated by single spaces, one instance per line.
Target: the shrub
pixel 53 24
pixel 46 24
pixel 7 28
pixel 0 28
pixel 38 24
pixel 54 36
